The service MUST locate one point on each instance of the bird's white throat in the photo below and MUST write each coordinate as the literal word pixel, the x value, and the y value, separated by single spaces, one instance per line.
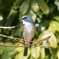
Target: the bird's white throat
pixel 26 23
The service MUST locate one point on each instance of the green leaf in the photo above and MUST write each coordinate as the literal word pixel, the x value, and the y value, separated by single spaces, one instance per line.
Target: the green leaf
pixel 53 41
pixel 0 1
pixel 43 25
pixel 43 6
pixel 5 55
pixel 8 49
pixel 19 49
pixel 19 55
pixel 35 52
pixel 1 49
pixel 58 54
pixel 1 18
pixel 5 7
pixel 54 52
pixel 56 18
pixel 35 6
pixel 54 26
pixel 57 2
pixel 32 14
pixel 17 2
pixel 51 6
pixel 24 7
pixel 42 53
pixel 17 31
pixel 11 17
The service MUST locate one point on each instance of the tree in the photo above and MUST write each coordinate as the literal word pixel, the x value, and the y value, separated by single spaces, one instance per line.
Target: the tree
pixel 45 13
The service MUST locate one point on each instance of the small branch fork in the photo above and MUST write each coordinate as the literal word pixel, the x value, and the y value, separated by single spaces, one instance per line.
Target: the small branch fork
pixel 46 37
pixel 16 39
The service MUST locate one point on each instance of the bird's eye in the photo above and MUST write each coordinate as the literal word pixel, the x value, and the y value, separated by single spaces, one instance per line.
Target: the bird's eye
pixel 24 18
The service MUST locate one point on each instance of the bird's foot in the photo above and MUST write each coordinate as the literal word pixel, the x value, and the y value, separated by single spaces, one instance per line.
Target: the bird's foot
pixel 35 45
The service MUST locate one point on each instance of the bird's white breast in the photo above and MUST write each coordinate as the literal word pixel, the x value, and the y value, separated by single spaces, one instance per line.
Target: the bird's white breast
pixel 28 30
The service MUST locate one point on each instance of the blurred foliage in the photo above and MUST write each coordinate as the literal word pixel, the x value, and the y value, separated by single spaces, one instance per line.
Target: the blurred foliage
pixel 45 13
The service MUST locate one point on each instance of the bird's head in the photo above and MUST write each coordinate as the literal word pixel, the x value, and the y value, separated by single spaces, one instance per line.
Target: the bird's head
pixel 27 19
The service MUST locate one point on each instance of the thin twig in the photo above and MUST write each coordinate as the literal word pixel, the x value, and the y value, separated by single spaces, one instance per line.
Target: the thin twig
pixel 23 46
pixel 1 27
pixel 38 45
pixel 10 45
pixel 11 38
pixel 7 27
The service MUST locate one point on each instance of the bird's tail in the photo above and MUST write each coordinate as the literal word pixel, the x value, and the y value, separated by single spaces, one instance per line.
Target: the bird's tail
pixel 25 51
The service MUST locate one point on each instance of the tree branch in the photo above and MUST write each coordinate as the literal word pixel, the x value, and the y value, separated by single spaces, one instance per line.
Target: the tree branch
pixel 10 45
pixel 46 37
pixel 1 27
pixel 23 46
pixel 16 39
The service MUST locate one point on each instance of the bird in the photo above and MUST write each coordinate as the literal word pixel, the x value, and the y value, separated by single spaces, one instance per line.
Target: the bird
pixel 28 31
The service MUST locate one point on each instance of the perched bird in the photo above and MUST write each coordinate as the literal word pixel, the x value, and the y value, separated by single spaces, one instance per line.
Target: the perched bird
pixel 28 31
